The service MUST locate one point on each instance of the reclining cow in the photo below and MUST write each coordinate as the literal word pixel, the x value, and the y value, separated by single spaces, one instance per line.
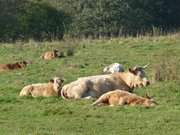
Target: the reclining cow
pixel 120 97
pixel 13 66
pixel 52 55
pixel 43 89
pixel 95 86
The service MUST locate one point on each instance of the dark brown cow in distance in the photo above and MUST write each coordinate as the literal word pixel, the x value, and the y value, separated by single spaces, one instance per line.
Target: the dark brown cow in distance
pixel 13 66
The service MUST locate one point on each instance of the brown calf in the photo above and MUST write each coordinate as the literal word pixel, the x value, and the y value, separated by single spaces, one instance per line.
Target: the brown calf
pixel 13 66
pixel 50 55
pixel 120 97
pixel 43 89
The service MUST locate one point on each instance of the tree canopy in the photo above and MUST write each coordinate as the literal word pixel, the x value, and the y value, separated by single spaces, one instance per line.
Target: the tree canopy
pixel 47 20
pixel 22 19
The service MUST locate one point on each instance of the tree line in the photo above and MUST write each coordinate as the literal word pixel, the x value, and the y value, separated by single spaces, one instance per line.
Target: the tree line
pixel 49 20
pixel 23 19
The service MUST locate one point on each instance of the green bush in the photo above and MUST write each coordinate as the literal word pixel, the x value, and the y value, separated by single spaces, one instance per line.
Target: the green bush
pixel 104 18
pixel 26 20
pixel 47 20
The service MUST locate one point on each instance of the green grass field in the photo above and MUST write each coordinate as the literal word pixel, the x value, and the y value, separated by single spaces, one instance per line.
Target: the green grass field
pixel 54 116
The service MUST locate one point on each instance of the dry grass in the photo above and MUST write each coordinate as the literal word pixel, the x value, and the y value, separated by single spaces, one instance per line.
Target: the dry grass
pixel 167 67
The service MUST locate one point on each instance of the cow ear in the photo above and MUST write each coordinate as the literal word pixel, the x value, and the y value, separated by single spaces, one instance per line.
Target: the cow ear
pixel 19 64
pixel 55 50
pixel 25 62
pixel 132 71
pixel 145 66
pixel 148 97
pixel 62 80
pixel 51 81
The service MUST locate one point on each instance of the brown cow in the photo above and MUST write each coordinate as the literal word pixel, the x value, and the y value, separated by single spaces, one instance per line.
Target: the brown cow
pixel 50 55
pixel 95 86
pixel 13 66
pixel 43 89
pixel 120 97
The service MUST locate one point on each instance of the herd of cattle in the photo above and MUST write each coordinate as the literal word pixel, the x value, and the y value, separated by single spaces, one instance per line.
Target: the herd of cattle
pixel 114 87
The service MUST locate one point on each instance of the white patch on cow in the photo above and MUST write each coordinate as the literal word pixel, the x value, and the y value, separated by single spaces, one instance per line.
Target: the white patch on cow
pixel 115 67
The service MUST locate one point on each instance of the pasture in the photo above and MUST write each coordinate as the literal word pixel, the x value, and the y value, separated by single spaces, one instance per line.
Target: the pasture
pixel 54 116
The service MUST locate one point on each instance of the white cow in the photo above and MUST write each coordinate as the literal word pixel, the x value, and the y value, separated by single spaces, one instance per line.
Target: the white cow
pixel 115 67
pixel 95 86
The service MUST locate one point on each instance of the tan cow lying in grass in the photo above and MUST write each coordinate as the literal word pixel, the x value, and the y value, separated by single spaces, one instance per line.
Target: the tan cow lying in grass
pixel 120 97
pixel 50 55
pixel 95 86
pixel 43 89
pixel 13 66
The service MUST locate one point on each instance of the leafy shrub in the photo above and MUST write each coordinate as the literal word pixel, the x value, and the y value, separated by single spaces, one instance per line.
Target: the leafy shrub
pixel 23 19
pixel 105 18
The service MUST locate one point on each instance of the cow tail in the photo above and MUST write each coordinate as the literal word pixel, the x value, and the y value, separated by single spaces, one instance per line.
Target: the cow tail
pixel 63 94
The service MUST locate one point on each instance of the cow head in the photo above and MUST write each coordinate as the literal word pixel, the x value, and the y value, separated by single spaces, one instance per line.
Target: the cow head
pixel 21 64
pixel 57 83
pixel 139 76
pixel 106 70
pixel 55 52
pixel 149 101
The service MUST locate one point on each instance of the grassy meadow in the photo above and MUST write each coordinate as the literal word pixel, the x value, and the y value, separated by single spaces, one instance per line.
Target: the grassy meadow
pixel 54 116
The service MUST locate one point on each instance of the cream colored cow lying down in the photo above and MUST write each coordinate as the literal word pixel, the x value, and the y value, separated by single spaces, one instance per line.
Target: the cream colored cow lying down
pixel 95 86
pixel 43 89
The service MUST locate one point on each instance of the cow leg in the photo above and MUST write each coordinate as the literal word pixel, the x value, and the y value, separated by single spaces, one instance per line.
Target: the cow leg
pixel 88 97
pixel 77 96
pixel 77 91
pixel 90 94
pixel 122 101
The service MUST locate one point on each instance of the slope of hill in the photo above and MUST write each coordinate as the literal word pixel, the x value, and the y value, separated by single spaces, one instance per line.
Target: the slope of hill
pixel 54 116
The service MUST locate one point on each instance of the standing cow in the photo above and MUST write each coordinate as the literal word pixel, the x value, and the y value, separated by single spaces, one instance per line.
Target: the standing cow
pixel 95 86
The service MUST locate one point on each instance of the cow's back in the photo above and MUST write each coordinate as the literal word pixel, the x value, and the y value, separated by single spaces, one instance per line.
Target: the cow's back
pixel 93 86
pixel 108 83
